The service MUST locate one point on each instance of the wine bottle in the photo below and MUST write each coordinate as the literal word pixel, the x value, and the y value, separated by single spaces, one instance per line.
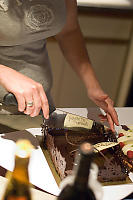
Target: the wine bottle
pixel 80 189
pixel 18 187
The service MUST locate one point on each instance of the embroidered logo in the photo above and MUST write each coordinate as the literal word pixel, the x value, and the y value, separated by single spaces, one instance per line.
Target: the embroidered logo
pixel 39 17
pixel 4 5
pixel 19 2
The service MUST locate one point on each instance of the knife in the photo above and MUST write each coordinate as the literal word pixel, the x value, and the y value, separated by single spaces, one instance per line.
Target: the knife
pixel 70 121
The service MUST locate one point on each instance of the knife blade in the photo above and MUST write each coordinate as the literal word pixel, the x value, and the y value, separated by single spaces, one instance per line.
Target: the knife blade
pixel 70 121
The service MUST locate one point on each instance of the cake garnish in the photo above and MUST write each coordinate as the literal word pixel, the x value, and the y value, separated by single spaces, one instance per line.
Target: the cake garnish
pixel 104 145
pixel 124 127
pixel 68 141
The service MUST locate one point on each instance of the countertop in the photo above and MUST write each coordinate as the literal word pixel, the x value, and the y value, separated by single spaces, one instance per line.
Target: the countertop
pixel 115 4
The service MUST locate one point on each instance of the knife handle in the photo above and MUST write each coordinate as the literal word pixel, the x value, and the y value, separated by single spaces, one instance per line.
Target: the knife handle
pixel 10 99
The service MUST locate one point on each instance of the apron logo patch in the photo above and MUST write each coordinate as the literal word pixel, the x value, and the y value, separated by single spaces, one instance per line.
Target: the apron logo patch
pixel 39 17
pixel 4 5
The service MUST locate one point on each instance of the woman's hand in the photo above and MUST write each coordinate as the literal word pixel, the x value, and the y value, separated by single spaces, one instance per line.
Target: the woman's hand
pixel 26 91
pixel 103 101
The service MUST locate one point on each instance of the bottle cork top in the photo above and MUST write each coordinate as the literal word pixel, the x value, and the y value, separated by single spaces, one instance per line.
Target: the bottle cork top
pixel 86 148
pixel 24 148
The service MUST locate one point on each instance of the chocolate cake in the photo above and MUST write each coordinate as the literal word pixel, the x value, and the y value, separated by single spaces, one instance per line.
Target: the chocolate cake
pixel 63 143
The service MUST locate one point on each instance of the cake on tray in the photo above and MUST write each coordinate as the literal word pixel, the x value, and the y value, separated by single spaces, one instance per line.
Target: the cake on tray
pixel 62 144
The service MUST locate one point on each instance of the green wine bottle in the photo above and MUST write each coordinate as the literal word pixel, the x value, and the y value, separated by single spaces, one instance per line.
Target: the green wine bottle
pixel 79 189
pixel 18 187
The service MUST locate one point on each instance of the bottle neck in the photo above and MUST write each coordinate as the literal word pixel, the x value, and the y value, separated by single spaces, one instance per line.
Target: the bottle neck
pixel 20 172
pixel 82 170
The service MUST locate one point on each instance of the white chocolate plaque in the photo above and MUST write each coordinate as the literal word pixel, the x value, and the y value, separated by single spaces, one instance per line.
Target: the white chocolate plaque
pixel 104 145
pixel 72 120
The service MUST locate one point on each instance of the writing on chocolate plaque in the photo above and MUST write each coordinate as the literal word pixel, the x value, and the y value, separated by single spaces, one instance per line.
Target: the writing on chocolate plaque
pixel 72 120
pixel 104 145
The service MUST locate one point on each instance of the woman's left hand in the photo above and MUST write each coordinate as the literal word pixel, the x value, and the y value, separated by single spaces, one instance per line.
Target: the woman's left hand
pixel 103 101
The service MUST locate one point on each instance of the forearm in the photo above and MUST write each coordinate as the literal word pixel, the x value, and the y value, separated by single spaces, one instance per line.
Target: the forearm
pixel 73 47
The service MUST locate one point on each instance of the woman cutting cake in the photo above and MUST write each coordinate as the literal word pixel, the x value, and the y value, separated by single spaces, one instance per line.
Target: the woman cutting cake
pixel 24 64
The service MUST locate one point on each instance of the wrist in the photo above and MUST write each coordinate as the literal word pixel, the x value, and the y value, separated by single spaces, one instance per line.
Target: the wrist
pixel 89 79
pixel 2 71
pixel 5 72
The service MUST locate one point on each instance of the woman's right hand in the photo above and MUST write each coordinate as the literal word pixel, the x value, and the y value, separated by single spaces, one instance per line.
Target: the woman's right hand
pixel 26 91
